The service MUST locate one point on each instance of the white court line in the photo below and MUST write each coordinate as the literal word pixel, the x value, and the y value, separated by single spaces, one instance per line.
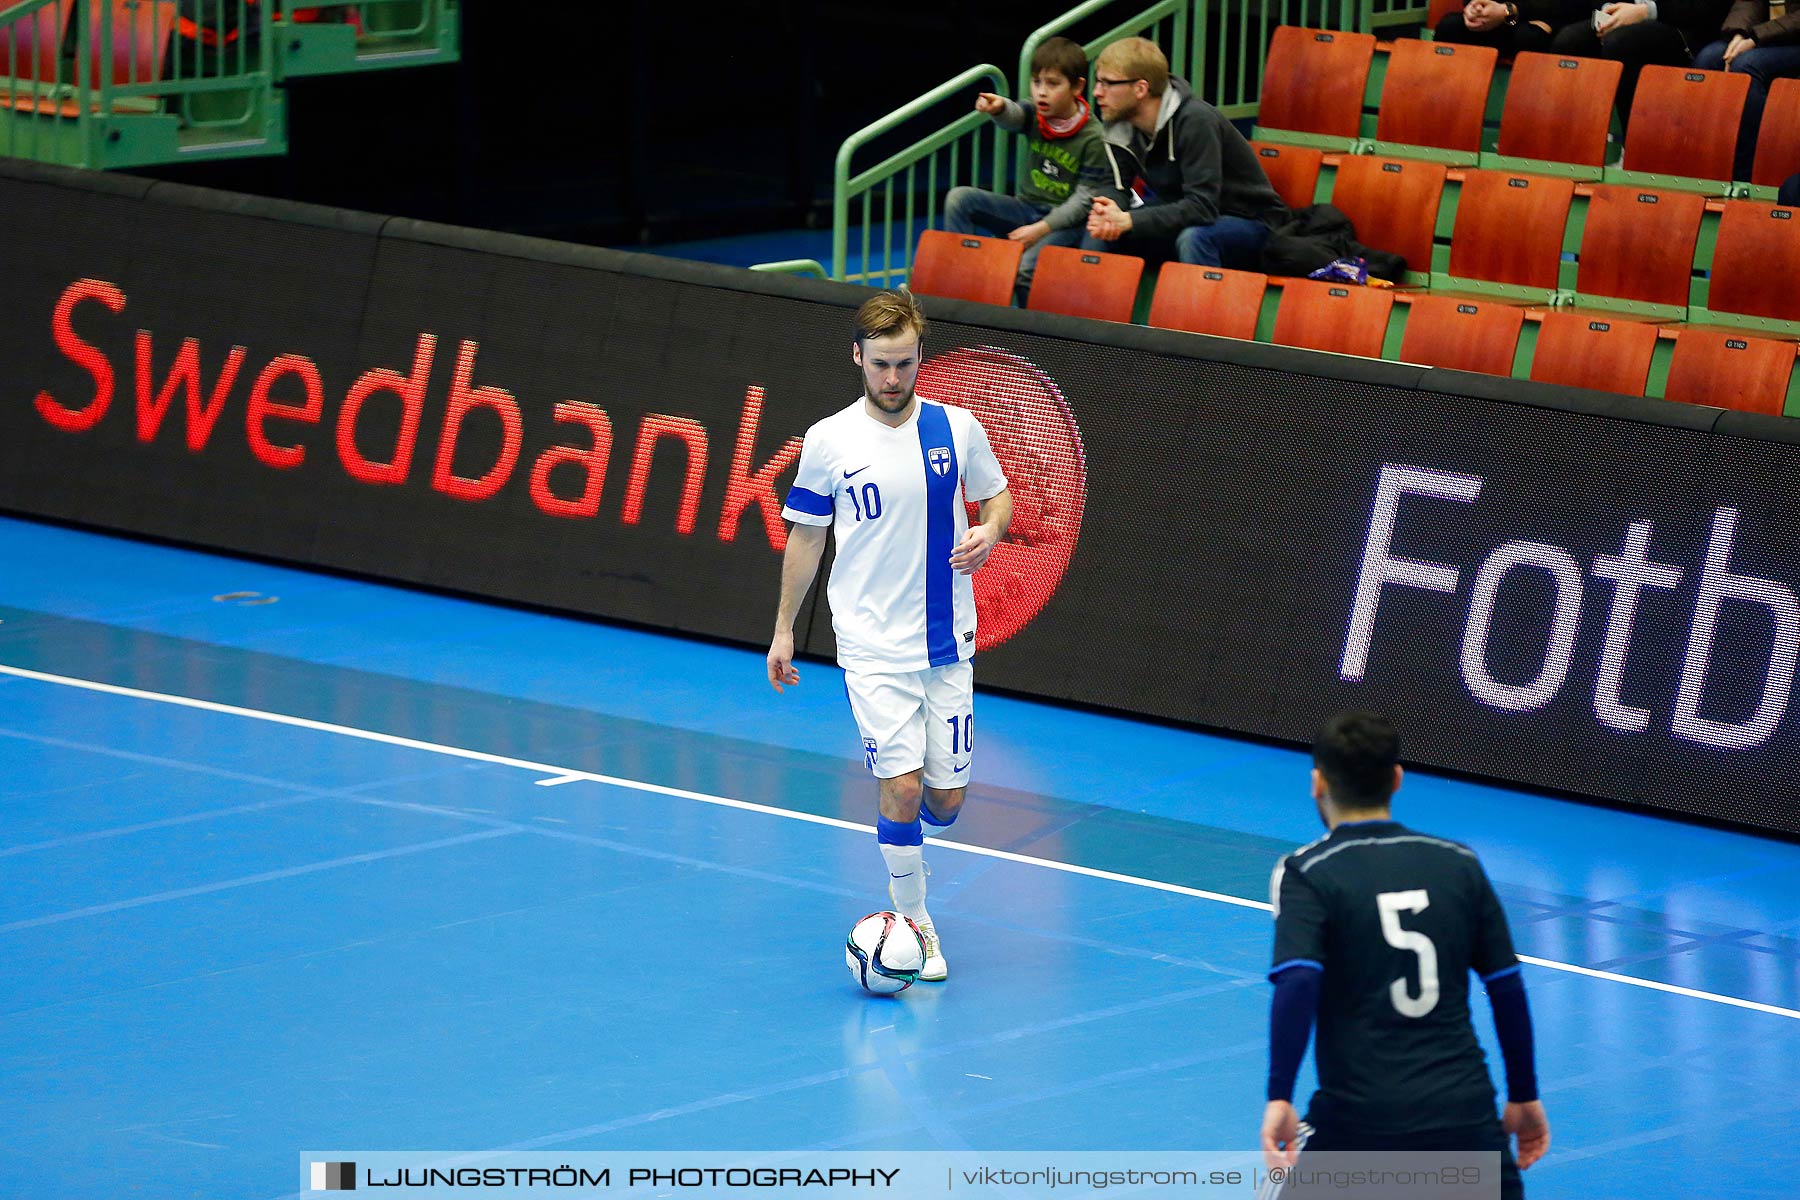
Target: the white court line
pixel 554 775
pixel 1655 986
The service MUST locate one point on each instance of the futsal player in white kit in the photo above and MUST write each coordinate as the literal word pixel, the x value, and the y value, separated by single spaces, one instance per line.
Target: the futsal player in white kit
pixel 890 474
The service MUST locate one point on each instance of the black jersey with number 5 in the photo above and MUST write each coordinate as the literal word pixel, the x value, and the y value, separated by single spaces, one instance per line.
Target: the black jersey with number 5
pixel 1396 920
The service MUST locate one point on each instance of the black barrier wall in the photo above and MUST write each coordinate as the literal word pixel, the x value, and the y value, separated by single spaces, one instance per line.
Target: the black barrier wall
pixel 1552 588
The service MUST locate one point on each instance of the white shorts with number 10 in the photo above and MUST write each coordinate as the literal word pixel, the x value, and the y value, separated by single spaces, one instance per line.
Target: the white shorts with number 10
pixel 917 719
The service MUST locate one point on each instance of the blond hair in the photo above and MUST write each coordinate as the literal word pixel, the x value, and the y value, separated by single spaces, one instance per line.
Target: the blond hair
pixel 1137 58
pixel 888 313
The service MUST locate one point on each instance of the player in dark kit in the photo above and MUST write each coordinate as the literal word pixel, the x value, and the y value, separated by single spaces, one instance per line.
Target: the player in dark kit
pixel 1377 928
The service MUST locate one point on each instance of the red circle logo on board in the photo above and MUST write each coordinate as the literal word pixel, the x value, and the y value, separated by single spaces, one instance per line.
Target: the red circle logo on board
pixel 1034 435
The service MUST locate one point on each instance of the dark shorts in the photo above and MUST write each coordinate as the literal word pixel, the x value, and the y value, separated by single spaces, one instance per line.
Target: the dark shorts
pixel 1487 1136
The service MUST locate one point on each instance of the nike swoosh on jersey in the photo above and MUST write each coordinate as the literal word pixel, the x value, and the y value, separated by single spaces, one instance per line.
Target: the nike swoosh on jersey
pixel 858 471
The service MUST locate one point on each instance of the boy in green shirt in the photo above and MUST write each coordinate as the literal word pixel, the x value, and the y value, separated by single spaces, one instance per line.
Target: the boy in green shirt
pixel 1065 164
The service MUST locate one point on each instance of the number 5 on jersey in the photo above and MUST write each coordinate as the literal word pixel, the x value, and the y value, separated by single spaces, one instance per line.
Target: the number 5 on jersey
pixel 1391 905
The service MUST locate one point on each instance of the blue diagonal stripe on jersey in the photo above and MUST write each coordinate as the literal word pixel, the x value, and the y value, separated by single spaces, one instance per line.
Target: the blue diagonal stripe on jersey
pixel 941 497
pixel 810 503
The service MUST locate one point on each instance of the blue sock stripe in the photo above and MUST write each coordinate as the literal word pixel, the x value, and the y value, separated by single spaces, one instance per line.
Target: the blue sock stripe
pixel 931 818
pixel 898 833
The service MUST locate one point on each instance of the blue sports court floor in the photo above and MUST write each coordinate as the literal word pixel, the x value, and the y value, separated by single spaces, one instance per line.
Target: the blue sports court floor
pixel 291 862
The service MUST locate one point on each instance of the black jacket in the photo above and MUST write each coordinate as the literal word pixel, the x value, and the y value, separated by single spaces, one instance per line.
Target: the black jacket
pixel 1195 165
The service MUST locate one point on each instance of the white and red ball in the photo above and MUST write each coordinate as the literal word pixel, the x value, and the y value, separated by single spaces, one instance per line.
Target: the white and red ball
pixel 885 952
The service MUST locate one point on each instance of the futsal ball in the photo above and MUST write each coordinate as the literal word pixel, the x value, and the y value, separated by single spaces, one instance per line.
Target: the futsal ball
pixel 885 952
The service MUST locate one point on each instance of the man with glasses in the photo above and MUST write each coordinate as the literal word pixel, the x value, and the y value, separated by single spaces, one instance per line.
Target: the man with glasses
pixel 1194 190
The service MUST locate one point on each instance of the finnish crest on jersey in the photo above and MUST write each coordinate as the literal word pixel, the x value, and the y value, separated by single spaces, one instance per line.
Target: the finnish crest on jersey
pixel 939 457
pixel 869 752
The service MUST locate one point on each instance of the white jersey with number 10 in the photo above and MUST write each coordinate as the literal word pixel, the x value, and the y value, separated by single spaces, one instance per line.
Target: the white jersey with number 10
pixel 895 499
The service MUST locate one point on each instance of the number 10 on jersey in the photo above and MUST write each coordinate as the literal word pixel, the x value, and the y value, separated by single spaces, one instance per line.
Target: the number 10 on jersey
pixel 869 506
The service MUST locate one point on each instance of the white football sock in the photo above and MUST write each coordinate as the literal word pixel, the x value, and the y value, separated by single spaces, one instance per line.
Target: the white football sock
pixel 906 879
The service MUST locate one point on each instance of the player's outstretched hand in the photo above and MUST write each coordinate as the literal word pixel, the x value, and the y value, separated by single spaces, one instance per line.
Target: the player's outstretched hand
pixel 973 550
pixel 1531 1126
pixel 1280 1130
pixel 781 661
pixel 989 105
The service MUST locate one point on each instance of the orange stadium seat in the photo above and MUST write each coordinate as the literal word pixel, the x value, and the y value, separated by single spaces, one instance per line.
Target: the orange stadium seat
pixel 1757 261
pixel 1208 300
pixel 1313 81
pixel 1462 334
pixel 1778 141
pixel 1081 284
pixel 1639 245
pixel 1558 108
pixel 1292 170
pixel 1589 351
pixel 1435 94
pixel 1393 204
pixel 1509 228
pixel 1685 122
pixel 1730 370
pixel 963 267
pixel 1333 316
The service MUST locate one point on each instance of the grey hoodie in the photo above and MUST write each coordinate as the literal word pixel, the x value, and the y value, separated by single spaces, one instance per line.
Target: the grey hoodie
pixel 1195 164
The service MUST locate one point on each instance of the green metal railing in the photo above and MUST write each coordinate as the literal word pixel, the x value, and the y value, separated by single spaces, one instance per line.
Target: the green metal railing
pixel 1377 15
pixel 395 20
pixel 1218 45
pixel 119 83
pixel 131 87
pixel 34 76
pixel 221 91
pixel 950 154
pixel 368 34
pixel 794 266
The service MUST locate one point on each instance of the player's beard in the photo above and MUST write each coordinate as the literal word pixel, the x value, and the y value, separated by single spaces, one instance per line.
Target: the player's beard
pixel 892 404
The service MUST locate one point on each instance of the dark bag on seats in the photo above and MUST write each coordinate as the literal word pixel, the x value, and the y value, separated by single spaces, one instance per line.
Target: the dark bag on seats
pixel 1317 234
